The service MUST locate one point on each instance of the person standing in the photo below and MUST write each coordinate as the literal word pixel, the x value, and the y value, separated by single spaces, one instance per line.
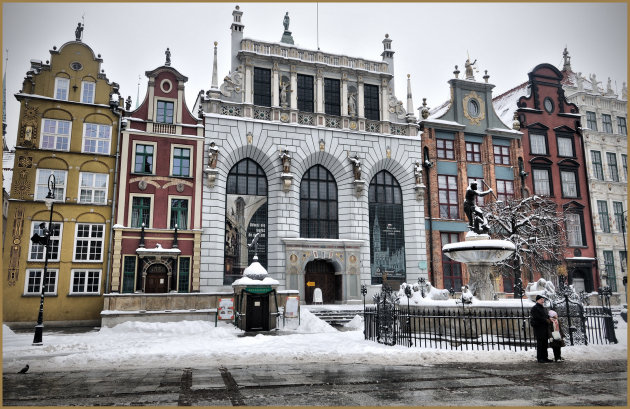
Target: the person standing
pixel 557 336
pixel 540 322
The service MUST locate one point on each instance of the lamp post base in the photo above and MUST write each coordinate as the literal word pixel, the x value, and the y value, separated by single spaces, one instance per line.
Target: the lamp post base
pixel 39 331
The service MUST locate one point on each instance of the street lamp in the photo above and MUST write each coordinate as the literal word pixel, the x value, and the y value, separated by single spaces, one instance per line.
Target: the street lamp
pixel 45 241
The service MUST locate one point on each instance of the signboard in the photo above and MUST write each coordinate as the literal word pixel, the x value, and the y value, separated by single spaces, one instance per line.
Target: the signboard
pixel 310 283
pixel 226 309
pixel 258 290
pixel 292 306
pixel 422 264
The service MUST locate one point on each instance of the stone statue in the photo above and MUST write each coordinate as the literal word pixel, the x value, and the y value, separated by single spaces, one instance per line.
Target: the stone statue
pixel 609 89
pixel 356 166
pixel 232 83
pixel 284 89
pixel 168 57
pixel 417 171
pixel 594 83
pixel 624 91
pixel 78 32
pixel 286 161
pixel 128 103
pixel 213 153
pixel 580 81
pixel 469 69
pixel 476 220
pixel 352 104
pixel 286 21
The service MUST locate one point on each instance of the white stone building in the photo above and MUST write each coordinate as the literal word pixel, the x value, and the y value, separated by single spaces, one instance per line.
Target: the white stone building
pixel 604 126
pixel 307 148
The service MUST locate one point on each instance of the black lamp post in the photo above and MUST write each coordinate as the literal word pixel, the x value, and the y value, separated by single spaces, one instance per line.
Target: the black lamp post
pixel 363 292
pixel 518 292
pixel 45 241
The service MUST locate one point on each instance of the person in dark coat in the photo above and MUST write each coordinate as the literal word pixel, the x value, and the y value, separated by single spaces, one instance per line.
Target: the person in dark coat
pixel 540 322
pixel 556 344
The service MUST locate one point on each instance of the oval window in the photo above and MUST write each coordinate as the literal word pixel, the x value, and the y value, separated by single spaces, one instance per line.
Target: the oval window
pixel 473 108
pixel 76 66
pixel 548 105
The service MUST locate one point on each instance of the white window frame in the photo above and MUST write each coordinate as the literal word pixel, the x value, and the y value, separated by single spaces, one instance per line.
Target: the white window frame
pixel 55 135
pixel 130 214
pixel 566 183
pixel 534 143
pixel 107 142
pixel 35 225
pixel 91 241
pixel 133 162
pixel 85 85
pixel 565 144
pixel 537 186
pixel 574 230
pixel 190 157
pixel 74 273
pixel 62 84
pixel 54 272
pixel 92 188
pixel 41 181
pixel 170 203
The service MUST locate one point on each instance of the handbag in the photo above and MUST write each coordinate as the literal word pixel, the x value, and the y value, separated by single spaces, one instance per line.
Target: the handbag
pixel 556 335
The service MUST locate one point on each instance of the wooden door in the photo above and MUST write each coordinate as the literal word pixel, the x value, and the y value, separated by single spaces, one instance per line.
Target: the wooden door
pixel 257 318
pixel 156 279
pixel 320 274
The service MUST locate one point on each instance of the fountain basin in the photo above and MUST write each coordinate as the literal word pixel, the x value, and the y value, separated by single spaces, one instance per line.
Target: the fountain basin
pixel 479 251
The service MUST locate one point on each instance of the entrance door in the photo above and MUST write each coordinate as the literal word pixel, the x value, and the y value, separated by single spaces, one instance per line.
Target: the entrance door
pixel 257 318
pixel 156 279
pixel 319 274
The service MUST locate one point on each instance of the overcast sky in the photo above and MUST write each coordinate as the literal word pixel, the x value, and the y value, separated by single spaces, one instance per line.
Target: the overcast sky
pixel 429 39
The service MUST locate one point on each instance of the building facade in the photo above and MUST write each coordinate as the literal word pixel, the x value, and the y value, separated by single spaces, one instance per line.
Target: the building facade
pixel 464 141
pixel 310 154
pixel 68 127
pixel 555 161
pixel 157 235
pixel 603 115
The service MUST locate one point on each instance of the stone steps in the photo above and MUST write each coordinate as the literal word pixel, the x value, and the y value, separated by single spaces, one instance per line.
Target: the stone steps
pixel 336 317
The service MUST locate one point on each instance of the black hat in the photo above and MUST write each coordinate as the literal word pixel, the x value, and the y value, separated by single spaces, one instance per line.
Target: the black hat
pixel 538 297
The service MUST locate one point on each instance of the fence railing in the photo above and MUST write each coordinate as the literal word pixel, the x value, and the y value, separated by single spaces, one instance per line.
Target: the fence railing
pixel 473 328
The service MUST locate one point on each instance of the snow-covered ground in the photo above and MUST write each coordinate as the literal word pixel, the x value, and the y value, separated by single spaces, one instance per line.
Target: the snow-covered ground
pixel 198 344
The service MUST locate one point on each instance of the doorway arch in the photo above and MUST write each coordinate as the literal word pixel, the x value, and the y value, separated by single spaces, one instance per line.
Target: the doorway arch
pixel 321 274
pixel 157 278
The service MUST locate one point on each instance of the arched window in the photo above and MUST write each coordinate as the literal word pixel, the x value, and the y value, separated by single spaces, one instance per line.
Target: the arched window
pixel 318 204
pixel 387 235
pixel 245 215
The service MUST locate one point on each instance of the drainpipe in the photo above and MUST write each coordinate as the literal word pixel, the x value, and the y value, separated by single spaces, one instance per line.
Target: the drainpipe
pixel 426 164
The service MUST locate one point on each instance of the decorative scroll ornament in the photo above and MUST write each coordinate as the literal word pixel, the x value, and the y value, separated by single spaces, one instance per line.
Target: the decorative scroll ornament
pixel 475 118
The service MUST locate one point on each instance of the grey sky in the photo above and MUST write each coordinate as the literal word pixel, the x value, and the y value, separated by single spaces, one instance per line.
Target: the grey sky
pixel 429 39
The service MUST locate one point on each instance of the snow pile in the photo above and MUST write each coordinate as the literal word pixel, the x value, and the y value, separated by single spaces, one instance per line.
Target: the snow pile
pixel 355 323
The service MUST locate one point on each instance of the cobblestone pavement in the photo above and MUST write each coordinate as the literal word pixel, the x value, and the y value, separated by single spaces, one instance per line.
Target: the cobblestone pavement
pixel 585 383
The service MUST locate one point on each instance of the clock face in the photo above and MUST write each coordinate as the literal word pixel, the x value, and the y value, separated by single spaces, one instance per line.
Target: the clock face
pixel 473 108
pixel 548 105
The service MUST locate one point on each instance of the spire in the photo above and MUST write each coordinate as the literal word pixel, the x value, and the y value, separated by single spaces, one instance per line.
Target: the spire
pixel 4 101
pixel 215 81
pixel 567 60
pixel 410 117
pixel 237 36
pixel 138 95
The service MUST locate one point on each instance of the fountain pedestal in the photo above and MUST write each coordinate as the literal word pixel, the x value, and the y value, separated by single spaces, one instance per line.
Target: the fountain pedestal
pixel 479 253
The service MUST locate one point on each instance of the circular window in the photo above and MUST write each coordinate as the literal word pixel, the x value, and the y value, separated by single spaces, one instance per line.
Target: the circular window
pixel 166 86
pixel 548 105
pixel 76 66
pixel 473 108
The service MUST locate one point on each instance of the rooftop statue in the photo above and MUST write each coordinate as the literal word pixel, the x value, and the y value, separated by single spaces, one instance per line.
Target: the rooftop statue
pixel 286 21
pixel 78 32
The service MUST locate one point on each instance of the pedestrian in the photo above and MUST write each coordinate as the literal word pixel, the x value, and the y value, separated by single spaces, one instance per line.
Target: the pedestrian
pixel 556 337
pixel 540 322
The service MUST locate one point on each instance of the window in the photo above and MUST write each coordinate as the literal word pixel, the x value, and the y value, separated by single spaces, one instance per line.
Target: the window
pixel 569 183
pixel 621 125
pixel 89 242
pixel 164 112
pixel 144 159
pixel 62 85
pixel 623 260
pixel 505 190
pixel 591 120
pixel 85 282
pixel 245 216
pixel 183 275
pixel 619 219
pixel 93 187
pixel 181 162
pixel 565 146
pixel 538 144
pixel 596 160
pixel 318 204
pixel 332 97
pixel 37 252
pixel 179 213
pixel 609 266
pixel 33 282
pixel 129 274
pixel 501 154
pixel 624 163
pixel 262 87
pixel 97 138
pixel 451 269
pixel 387 241
pixel 612 166
pixel 87 92
pixel 445 148
pixel 607 123
pixel 542 185
pixel 604 221
pixel 56 135
pixel 41 188
pixel 447 192
pixel 140 211
pixel 370 101
pixel 305 93
pixel 575 236
pixel 473 152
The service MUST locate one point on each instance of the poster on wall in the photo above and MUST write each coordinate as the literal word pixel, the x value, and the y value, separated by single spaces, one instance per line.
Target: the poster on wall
pixel 226 309
pixel 387 243
pixel 292 307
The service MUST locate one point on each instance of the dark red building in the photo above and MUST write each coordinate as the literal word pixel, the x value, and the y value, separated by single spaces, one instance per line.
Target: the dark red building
pixel 157 236
pixel 553 151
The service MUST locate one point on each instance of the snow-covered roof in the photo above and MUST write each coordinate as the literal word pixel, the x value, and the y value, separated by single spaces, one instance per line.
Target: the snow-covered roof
pixel 157 250
pixel 440 110
pixel 505 104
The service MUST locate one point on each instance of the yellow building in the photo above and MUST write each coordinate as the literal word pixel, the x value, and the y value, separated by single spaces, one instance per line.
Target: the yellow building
pixel 68 126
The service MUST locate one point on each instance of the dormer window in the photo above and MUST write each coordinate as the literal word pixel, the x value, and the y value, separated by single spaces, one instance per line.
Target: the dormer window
pixel 62 85
pixel 164 112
